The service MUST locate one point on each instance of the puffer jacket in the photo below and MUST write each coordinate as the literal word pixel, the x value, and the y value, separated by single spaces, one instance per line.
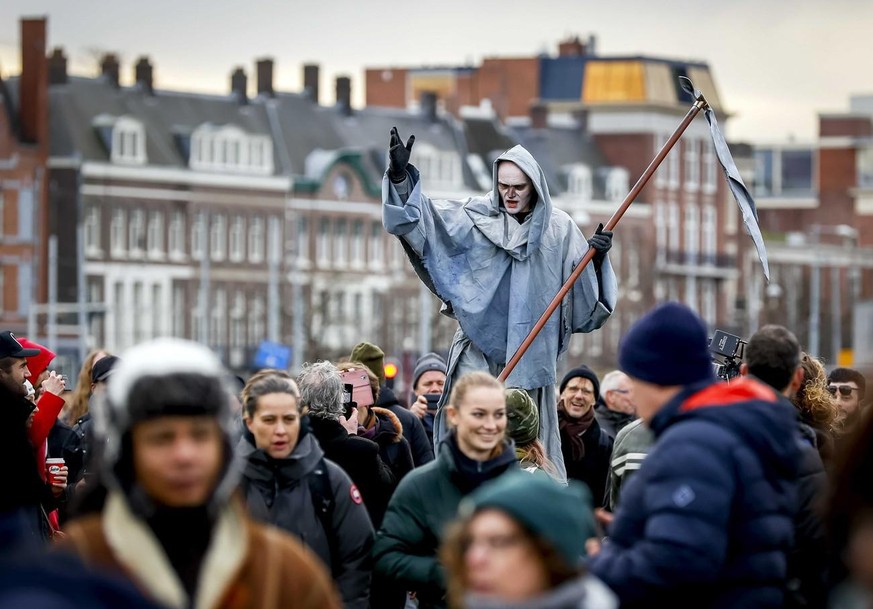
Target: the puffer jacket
pixel 277 491
pixel 708 521
pixel 426 500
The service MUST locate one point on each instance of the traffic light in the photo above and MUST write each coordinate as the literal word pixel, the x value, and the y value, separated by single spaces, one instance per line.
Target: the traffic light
pixel 391 368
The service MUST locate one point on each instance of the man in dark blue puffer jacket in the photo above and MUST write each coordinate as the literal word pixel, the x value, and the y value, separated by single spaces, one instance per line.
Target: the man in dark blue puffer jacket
pixel 708 519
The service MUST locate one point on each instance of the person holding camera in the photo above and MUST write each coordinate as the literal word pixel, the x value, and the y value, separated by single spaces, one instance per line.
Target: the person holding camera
pixel 428 382
pixel 377 424
pixel 336 429
pixel 496 261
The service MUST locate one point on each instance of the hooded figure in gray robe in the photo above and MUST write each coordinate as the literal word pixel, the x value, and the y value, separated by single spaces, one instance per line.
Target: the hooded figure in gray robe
pixel 497 276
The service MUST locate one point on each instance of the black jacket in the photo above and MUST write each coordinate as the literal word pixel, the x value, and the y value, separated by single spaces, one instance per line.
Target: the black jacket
pixel 23 489
pixel 593 469
pixel 808 561
pixel 277 491
pixel 413 429
pixel 359 458
pixel 611 421
pixel 393 447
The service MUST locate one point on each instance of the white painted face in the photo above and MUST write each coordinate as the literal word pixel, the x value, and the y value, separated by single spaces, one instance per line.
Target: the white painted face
pixel 514 187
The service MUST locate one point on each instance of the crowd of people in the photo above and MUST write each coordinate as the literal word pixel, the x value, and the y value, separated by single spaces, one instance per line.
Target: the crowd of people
pixel 160 480
pixel 680 488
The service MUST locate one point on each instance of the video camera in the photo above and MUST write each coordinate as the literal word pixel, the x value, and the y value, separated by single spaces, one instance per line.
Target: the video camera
pixel 727 354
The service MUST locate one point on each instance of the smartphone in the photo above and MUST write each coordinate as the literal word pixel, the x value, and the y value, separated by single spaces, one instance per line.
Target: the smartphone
pixel 348 404
pixel 362 392
pixel 433 400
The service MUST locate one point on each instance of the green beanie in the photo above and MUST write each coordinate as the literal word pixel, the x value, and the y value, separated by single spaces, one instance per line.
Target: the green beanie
pixel 560 514
pixel 522 417
pixel 372 357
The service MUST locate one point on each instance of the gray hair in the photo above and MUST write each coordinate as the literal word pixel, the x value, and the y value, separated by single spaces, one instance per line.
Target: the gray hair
pixel 611 381
pixel 321 389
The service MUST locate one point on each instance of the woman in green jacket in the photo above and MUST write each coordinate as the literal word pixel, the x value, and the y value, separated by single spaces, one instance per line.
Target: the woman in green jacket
pixel 427 499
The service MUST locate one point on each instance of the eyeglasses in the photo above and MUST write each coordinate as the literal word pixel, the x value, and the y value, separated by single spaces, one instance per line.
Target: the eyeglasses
pixel 844 390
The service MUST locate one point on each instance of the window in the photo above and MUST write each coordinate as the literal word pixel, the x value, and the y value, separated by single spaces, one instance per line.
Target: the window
pixel 198 230
pixel 660 230
pixel 25 288
pixel 865 167
pixel 2 224
pixel 341 242
pixel 302 249
pixel 797 170
pixel 256 320
pixel 157 311
pixel 397 254
pixel 177 235
pixel 358 244
pixel 179 306
pixel 661 173
pixel 140 309
pixel 322 243
pixel 441 169
pixel 633 264
pixel 256 239
pixel 155 236
pixel 92 230
pixel 229 148
pixel 128 142
pixel 692 233
pixel 709 235
pixel 673 169
pixel 218 329
pixel 218 237
pixel 692 164
pixel 136 232
pixel 117 233
pixel 710 167
pixel 237 230
pixel 376 240
pixel 237 320
pixel 25 213
pixel 120 319
pixel 709 301
pixel 579 182
pixel 616 184
pixel 673 226
pixel 764 173
pixel 358 309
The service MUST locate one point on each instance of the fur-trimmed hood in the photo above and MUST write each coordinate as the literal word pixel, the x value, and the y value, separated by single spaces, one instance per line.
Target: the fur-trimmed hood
pixel 388 425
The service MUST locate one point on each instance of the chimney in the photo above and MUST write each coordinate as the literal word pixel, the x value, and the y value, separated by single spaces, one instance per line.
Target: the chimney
pixel 265 77
pixel 572 47
pixel 539 115
pixel 429 106
pixel 344 94
pixel 239 83
pixel 310 81
pixel 143 75
pixel 109 69
pixel 57 67
pixel 33 102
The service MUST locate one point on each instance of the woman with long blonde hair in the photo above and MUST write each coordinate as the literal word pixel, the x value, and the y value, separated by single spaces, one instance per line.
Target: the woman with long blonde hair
pixel 78 405
pixel 816 407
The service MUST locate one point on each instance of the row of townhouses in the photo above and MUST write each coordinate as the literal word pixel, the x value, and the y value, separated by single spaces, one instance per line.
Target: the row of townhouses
pixel 131 212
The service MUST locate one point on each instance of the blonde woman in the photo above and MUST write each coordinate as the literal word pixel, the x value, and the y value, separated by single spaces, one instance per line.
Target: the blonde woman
pixel 472 453
pixel 816 407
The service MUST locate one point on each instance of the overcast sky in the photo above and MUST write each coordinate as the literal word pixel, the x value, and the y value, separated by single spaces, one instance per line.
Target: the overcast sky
pixel 776 63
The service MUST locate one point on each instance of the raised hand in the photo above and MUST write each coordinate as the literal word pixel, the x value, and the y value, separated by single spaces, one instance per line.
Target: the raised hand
pixel 398 155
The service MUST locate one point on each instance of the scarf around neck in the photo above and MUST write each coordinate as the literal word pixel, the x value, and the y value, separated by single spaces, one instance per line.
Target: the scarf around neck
pixel 574 429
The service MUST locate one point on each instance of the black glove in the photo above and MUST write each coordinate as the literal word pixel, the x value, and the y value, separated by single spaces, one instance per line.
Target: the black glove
pixel 601 241
pixel 398 156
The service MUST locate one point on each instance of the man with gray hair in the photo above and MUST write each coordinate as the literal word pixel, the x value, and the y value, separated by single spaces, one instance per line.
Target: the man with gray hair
pixel 321 395
pixel 614 408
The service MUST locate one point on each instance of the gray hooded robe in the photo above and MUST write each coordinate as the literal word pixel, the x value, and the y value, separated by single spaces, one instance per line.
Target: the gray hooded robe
pixel 496 277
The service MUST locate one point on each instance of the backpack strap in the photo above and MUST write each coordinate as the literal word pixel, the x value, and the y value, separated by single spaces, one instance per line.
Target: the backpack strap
pixel 324 502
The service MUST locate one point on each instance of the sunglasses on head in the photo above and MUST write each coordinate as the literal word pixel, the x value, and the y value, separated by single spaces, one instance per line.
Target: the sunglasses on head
pixel 844 390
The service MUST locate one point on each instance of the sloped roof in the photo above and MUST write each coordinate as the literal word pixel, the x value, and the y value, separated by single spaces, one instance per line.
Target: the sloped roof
pixel 74 106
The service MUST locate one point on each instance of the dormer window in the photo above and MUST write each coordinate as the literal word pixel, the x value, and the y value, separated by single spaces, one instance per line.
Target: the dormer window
pixel 229 148
pixel 439 168
pixel 579 182
pixel 124 138
pixel 616 185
